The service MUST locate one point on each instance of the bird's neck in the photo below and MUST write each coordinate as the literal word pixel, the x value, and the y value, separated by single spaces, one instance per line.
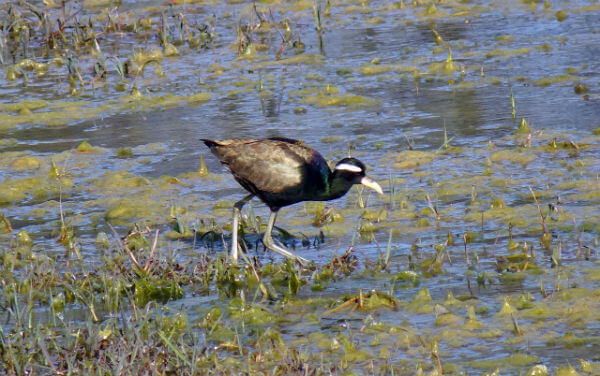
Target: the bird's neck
pixel 336 186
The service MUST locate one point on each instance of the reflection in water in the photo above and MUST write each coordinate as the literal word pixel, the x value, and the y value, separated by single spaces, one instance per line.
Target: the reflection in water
pixel 463 113
pixel 417 107
pixel 270 99
pixel 451 30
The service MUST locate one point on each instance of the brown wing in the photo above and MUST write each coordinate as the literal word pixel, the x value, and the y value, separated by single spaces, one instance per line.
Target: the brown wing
pixel 268 165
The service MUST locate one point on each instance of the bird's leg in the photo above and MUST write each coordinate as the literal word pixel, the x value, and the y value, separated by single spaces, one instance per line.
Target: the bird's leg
pixel 268 242
pixel 237 207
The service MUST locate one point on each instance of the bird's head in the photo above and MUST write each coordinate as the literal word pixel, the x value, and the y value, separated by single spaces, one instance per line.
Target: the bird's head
pixel 353 171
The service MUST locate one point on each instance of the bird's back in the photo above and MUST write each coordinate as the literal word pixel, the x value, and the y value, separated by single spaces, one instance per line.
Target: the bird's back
pixel 280 171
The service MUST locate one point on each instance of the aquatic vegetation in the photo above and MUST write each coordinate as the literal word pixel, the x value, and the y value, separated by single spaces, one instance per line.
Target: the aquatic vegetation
pixel 546 81
pixel 410 159
pixel 327 98
pixel 501 53
pixel 113 225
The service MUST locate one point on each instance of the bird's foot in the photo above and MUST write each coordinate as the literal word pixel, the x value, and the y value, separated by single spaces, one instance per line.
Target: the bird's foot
pixel 306 264
pixel 284 252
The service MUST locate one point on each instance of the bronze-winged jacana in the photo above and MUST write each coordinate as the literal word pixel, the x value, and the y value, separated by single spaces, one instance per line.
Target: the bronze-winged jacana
pixel 281 172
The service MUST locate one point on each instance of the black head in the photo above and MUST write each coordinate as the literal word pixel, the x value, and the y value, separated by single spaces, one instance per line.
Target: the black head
pixel 352 171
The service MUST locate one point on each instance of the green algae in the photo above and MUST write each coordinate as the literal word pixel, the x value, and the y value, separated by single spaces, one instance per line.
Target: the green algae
pixel 379 300
pixel 446 67
pixel 504 39
pixel 331 139
pixel 561 15
pixel 406 279
pixel 198 98
pixel 326 99
pixel 252 315
pixel 124 153
pixel 566 371
pixel 323 341
pixel 302 59
pixel 18 161
pixel 53 117
pixel 570 341
pixel 589 196
pixel 39 188
pixel 375 21
pixel 30 105
pixel 127 210
pixel 411 159
pixel 237 350
pixel 506 310
pixel 376 68
pixel 537 370
pixel 300 110
pixel 574 293
pixel 371 301
pixel 24 239
pixel 507 53
pixel 372 70
pixel 85 147
pixel 367 228
pixel 448 319
pixel 64 112
pixel 451 189
pixel 547 81
pixel 120 180
pixel 581 88
pixel 523 126
pixel 515 360
pixel 523 157
pixel 589 367
pixel 472 323
pixel 421 303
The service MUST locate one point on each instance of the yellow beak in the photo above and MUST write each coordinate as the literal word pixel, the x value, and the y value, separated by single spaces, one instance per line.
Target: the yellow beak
pixel 371 184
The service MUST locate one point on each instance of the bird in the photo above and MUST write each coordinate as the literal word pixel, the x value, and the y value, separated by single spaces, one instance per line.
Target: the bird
pixel 280 172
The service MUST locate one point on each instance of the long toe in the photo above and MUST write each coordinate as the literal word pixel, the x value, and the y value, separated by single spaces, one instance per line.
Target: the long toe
pixel 284 252
pixel 303 262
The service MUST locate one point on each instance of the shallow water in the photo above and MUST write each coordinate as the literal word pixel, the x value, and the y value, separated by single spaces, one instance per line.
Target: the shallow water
pixel 409 96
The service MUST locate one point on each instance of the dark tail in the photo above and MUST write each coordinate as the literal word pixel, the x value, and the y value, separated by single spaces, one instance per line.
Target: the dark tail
pixel 209 143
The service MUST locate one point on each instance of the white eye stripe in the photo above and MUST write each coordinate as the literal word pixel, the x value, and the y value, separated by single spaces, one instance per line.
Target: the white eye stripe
pixel 348 167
